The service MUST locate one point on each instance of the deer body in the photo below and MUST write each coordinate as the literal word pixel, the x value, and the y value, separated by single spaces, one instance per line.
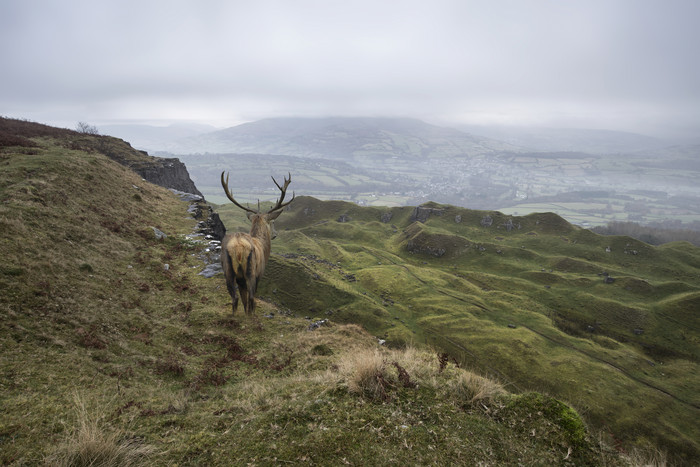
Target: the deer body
pixel 244 255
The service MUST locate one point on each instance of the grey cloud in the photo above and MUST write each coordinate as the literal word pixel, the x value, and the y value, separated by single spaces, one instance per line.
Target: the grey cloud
pixel 218 60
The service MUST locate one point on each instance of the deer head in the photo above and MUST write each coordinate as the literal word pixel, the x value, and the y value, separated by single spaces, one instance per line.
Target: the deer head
pixel 256 216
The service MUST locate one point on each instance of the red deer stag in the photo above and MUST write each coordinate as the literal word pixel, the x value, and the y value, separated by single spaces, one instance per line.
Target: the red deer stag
pixel 244 256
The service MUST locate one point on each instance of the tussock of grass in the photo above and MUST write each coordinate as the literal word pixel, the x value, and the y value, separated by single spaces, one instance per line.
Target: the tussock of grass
pixel 468 389
pixel 91 442
pixel 374 374
pixel 366 374
pixel 647 458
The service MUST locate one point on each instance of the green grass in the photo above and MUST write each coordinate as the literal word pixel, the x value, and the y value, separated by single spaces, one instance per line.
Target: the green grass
pixel 528 306
pixel 109 357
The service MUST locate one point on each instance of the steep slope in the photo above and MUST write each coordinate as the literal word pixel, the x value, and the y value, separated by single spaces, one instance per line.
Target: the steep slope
pixel 607 323
pixel 114 349
pixel 341 138
pixel 167 172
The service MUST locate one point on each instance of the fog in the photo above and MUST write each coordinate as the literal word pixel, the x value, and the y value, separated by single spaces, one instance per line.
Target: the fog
pixel 623 65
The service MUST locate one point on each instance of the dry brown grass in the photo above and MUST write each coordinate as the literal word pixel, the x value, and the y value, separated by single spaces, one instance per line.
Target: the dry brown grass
pixel 254 395
pixel 92 443
pixel 373 372
pixel 366 373
pixel 647 458
pixel 468 389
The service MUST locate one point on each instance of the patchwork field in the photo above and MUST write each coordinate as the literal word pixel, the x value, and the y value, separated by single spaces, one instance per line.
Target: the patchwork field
pixel 584 189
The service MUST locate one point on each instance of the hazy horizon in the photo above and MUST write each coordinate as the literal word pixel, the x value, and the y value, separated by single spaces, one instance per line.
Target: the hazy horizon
pixel 627 65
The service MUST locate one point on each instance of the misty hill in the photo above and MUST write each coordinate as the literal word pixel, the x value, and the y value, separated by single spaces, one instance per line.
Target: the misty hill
pixel 570 139
pixel 116 351
pixel 341 138
pixel 327 137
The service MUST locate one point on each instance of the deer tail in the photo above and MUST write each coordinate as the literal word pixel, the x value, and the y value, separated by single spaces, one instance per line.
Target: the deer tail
pixel 239 253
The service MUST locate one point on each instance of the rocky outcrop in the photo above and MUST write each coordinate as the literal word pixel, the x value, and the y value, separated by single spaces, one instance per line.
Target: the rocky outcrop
pixel 486 221
pixel 422 213
pixel 420 247
pixel 214 225
pixel 509 225
pixel 168 173
pixel 210 224
pixel 209 232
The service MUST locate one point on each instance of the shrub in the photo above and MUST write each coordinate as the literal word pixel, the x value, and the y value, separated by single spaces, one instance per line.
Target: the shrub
pixel 86 129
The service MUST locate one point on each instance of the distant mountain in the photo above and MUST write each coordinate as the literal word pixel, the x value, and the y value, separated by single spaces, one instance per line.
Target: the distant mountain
pixel 155 138
pixel 341 138
pixel 570 139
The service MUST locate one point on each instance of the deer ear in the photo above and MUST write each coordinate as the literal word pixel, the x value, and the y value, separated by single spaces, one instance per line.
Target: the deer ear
pixel 271 216
pixel 249 215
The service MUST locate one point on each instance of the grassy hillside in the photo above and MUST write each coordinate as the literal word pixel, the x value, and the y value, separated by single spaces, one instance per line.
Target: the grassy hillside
pixel 116 352
pixel 609 324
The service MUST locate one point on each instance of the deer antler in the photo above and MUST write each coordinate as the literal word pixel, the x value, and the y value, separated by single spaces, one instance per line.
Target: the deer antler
pixel 279 205
pixel 224 184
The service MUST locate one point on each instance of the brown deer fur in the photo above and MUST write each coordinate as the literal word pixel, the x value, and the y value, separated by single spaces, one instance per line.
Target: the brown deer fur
pixel 244 255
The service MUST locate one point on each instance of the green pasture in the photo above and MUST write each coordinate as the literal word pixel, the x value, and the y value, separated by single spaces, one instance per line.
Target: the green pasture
pixel 528 306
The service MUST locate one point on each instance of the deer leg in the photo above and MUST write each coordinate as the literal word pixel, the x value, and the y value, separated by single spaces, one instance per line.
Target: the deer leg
pixel 251 302
pixel 233 292
pixel 244 298
pixel 252 288
pixel 234 298
pixel 231 280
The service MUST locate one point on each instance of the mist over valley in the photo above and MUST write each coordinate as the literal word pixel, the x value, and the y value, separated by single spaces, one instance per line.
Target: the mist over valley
pixel 590 177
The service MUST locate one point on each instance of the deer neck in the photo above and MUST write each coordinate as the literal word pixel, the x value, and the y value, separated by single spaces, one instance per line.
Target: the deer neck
pixel 261 230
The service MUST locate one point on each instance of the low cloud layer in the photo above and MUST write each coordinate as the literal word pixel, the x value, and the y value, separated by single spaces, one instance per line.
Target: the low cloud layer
pixel 625 64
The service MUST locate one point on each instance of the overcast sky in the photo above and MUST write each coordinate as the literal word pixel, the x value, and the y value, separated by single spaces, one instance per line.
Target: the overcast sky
pixel 616 64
